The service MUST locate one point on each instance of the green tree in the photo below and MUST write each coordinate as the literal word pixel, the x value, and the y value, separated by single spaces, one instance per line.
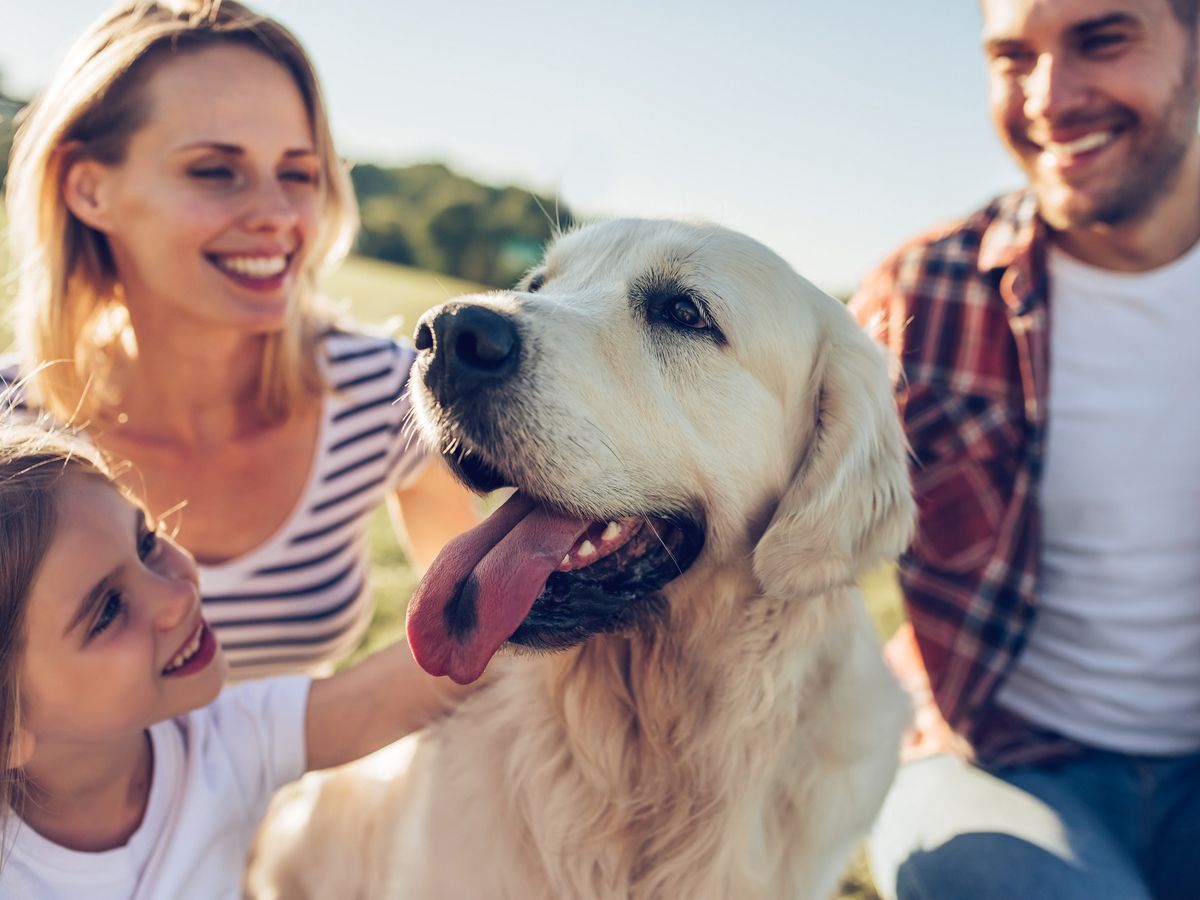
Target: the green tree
pixel 432 217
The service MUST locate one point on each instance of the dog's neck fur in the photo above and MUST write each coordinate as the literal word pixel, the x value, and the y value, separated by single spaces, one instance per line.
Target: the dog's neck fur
pixel 689 774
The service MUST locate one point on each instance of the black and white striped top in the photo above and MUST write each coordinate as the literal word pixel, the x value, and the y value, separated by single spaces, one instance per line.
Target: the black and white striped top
pixel 299 601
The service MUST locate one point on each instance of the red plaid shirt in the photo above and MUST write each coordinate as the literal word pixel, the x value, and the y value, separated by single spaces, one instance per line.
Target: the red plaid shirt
pixel 964 310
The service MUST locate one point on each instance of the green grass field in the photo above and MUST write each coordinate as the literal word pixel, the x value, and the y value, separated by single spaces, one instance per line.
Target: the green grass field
pixel 374 292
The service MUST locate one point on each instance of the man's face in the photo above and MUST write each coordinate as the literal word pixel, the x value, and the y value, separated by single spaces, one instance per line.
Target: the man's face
pixel 1097 101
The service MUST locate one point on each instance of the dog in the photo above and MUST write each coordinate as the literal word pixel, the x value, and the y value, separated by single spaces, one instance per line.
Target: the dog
pixel 688 698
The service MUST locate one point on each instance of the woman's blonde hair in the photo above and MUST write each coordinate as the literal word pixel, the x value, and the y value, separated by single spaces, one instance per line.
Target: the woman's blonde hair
pixel 32 463
pixel 68 304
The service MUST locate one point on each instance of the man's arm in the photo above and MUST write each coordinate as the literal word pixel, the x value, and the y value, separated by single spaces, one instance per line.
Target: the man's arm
pixel 881 309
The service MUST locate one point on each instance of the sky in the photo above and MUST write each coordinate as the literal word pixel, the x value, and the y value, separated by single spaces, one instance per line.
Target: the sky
pixel 830 130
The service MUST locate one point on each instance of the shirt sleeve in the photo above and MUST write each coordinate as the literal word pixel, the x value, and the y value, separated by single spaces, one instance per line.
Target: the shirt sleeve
pixel 257 729
pixel 881 308
pixel 410 456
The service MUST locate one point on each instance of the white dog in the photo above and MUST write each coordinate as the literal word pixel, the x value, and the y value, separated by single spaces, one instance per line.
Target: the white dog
pixel 707 456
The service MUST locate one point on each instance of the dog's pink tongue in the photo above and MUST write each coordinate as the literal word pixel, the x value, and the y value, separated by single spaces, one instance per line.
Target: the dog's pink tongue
pixel 482 585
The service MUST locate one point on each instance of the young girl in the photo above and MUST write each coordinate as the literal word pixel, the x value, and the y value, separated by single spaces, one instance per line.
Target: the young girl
pixel 129 772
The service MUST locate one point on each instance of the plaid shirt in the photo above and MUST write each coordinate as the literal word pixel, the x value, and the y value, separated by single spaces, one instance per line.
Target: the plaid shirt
pixel 964 311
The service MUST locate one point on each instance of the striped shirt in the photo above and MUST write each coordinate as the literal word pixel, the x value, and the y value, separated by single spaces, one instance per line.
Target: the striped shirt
pixel 299 601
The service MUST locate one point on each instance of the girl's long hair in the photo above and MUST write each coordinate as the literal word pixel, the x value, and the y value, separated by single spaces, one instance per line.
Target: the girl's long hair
pixel 32 463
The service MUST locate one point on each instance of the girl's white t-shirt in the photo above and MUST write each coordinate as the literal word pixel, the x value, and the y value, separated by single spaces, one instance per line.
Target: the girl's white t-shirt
pixel 215 770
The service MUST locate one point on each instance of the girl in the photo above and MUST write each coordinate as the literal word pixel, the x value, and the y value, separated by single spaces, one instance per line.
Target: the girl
pixel 129 772
pixel 173 196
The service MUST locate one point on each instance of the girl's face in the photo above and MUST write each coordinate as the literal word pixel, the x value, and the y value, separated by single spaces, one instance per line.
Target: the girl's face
pixel 210 214
pixel 114 637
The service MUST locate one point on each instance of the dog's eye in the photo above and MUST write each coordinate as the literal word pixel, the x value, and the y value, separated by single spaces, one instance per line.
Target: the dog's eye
pixel 683 311
pixel 535 282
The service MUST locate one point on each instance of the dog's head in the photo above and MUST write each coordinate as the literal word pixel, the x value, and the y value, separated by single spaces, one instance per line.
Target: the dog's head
pixel 656 391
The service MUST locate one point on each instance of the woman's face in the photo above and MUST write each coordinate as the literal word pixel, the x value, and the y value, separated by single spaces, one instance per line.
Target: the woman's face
pixel 210 214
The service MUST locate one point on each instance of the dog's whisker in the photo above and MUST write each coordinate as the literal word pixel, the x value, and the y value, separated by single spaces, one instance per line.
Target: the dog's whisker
pixel 603 438
pixel 408 428
pixel 650 525
pixel 555 224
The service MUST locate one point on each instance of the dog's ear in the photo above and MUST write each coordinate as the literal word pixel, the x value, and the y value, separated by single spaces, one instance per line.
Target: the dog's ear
pixel 850 503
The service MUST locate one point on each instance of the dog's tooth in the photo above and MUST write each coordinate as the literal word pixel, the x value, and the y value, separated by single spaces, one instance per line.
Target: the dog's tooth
pixel 611 532
pixel 587 548
pixel 566 560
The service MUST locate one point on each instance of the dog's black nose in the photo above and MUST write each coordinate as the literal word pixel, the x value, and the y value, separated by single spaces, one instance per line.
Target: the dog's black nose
pixel 466 348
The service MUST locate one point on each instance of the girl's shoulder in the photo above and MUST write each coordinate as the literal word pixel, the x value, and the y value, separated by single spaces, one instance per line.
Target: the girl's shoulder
pixel 246 743
pixel 248 721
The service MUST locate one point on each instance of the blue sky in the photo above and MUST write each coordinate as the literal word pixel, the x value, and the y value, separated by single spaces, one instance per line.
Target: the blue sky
pixel 828 130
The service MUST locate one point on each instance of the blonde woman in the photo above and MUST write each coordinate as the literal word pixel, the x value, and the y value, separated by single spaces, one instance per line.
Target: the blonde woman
pixel 174 195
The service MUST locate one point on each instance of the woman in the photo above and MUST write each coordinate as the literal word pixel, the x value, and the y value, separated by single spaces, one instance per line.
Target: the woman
pixel 173 197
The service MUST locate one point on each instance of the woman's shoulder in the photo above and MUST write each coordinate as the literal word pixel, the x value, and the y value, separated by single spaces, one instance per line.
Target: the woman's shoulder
pixel 12 384
pixel 367 376
pixel 10 369
pixel 369 411
pixel 345 350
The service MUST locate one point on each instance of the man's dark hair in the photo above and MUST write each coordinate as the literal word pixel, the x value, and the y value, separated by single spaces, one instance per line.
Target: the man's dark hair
pixel 1185 11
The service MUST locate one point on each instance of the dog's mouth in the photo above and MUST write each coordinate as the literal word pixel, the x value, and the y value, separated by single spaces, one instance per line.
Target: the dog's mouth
pixel 543 579
pixel 473 471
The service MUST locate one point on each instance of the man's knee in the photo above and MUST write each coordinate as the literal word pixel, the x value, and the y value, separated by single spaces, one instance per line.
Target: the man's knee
pixel 992 866
pixel 951 830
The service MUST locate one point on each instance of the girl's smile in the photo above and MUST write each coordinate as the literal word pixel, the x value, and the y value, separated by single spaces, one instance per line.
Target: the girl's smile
pixel 115 640
pixel 199 651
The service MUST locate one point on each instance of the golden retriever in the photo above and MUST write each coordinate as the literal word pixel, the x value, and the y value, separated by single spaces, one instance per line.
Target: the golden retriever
pixel 706 456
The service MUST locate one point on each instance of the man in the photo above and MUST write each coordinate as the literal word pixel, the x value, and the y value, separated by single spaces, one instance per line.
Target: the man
pixel 1049 348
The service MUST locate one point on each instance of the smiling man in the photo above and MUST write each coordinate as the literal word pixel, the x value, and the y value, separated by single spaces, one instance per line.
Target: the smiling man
pixel 1048 346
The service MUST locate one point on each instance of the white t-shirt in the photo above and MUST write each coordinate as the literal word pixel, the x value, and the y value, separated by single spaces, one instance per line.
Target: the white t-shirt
pixel 1113 658
pixel 215 770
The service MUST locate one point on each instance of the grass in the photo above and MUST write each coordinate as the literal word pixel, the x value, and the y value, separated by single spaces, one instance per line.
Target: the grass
pixel 376 293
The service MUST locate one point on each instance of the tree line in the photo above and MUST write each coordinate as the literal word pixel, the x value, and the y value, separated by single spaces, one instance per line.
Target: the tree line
pixel 428 216
pixel 431 217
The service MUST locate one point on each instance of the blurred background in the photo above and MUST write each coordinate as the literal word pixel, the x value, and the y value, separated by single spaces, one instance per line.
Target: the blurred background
pixel 829 131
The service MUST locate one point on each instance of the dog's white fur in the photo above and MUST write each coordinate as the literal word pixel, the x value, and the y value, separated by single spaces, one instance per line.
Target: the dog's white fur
pixel 738 747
